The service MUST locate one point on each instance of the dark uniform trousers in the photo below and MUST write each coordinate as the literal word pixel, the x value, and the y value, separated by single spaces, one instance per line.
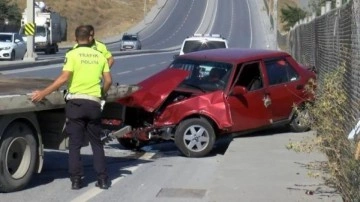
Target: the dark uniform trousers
pixel 83 118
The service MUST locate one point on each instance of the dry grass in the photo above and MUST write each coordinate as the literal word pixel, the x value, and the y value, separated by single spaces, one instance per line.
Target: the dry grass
pixel 329 118
pixel 109 17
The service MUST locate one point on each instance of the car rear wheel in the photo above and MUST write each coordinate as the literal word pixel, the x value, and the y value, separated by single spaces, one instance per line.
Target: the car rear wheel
pixel 195 137
pixel 18 152
pixel 299 122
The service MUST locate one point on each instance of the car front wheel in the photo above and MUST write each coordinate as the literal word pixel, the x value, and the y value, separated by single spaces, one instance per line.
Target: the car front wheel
pixel 195 137
pixel 12 56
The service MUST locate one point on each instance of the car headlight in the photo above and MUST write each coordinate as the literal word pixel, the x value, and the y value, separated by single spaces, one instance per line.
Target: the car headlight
pixel 7 48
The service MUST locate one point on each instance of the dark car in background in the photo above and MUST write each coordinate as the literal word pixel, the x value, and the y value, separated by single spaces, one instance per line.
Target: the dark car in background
pixel 130 42
pixel 207 94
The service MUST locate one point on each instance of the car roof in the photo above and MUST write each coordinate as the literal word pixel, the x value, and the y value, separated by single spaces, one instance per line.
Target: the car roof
pixel 233 55
pixel 208 38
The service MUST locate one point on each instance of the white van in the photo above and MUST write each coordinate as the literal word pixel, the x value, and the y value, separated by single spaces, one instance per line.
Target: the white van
pixel 199 42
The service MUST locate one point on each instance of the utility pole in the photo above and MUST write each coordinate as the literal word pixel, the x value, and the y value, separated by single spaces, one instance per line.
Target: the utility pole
pixel 30 55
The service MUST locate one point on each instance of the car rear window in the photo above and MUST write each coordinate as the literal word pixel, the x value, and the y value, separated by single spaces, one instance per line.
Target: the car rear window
pixel 129 38
pixel 192 46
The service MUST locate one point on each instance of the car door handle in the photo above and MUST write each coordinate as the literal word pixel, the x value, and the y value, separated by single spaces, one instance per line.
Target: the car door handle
pixel 299 87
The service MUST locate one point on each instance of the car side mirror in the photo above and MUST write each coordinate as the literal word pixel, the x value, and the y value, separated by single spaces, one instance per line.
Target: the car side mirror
pixel 17 41
pixel 239 90
pixel 176 55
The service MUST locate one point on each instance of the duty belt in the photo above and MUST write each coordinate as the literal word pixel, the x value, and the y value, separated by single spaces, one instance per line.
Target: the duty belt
pixel 82 96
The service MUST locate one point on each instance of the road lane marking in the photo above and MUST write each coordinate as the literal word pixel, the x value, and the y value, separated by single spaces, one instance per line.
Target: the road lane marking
pixel 164 22
pixel 203 17
pixel 213 19
pixel 251 34
pixel 140 68
pixel 120 73
pixel 91 193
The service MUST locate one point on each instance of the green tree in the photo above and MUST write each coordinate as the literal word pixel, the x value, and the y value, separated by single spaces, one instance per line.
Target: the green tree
pixel 9 11
pixel 290 15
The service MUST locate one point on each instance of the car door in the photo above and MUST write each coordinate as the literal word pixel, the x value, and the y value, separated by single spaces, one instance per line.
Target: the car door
pixel 250 109
pixel 21 45
pixel 284 87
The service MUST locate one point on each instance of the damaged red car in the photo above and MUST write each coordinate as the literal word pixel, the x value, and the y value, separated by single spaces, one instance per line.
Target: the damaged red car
pixel 204 95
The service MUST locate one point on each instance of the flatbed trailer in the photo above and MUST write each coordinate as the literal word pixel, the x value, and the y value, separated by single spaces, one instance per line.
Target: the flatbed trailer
pixel 27 128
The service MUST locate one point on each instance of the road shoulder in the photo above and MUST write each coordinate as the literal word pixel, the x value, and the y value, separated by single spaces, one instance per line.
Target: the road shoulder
pixel 261 168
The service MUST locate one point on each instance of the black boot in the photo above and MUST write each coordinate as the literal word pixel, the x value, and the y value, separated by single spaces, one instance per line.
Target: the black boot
pixel 76 183
pixel 102 183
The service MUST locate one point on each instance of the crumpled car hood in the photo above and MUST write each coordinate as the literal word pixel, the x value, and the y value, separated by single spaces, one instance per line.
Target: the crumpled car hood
pixel 155 89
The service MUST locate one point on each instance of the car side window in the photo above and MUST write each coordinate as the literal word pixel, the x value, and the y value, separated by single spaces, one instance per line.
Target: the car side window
pixel 17 36
pixel 280 71
pixel 250 77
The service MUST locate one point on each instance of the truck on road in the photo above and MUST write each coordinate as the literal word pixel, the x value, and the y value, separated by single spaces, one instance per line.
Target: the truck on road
pixel 27 128
pixel 50 29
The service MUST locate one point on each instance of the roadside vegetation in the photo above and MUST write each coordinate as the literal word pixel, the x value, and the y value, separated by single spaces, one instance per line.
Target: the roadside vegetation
pixel 329 118
pixel 290 15
pixel 9 11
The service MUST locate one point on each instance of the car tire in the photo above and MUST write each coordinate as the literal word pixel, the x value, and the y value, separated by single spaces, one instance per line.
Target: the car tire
pixel 192 144
pixel 18 151
pixel 297 124
pixel 12 56
pixel 131 144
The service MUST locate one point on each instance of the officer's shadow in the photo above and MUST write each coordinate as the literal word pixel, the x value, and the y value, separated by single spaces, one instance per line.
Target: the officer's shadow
pixel 56 167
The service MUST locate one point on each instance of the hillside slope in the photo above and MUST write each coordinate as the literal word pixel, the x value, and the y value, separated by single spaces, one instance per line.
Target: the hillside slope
pixel 109 17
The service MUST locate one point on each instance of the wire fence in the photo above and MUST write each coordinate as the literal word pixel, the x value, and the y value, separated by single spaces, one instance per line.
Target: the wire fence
pixel 328 42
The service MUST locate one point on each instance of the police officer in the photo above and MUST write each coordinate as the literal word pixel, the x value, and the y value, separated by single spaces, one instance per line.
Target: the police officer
pixel 83 69
pixel 99 46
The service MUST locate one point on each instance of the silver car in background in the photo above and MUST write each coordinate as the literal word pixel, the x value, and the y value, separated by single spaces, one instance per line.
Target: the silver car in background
pixel 130 42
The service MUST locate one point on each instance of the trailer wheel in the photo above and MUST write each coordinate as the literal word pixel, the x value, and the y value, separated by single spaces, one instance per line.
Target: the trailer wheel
pixel 18 152
pixel 195 137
